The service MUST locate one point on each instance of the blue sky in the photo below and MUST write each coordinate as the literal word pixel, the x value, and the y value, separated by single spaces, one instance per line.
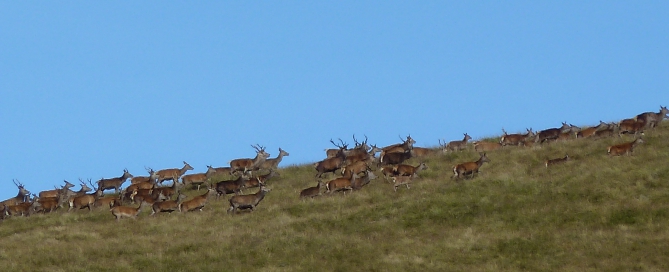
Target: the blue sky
pixel 91 88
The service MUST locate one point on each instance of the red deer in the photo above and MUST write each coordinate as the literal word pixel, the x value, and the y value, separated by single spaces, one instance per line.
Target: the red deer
pixel 652 119
pixel 486 146
pixel 569 134
pixel 312 191
pixel 246 165
pixel 230 186
pixel 113 183
pixel 396 158
pixel 408 170
pixel 247 201
pixel 274 162
pixel 625 148
pixel 65 194
pixel 398 148
pixel 589 132
pixel 166 192
pixel 611 130
pixel 55 192
pixel 22 196
pixel 173 174
pixel 556 161
pixel 515 139
pixel 457 145
pixel 551 133
pixel 84 201
pixel 148 196
pixel 262 179
pixel 330 164
pixel 215 171
pixel 420 152
pixel 388 171
pixel 358 183
pixel 125 211
pixel 340 184
pixel 48 204
pixel 107 201
pixel 23 208
pixel 332 152
pixel 167 206
pixel 631 126
pixel 401 180
pixel 355 168
pixel 196 179
pixel 461 170
pixel 197 203
pixel 143 179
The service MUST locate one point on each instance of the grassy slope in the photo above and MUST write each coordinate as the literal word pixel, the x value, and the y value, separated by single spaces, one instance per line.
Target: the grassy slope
pixel 593 213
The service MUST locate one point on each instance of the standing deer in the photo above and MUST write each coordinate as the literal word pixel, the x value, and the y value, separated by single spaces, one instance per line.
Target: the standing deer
pixel 141 179
pixel 274 162
pixel 246 165
pixel 486 146
pixel 173 174
pixel 247 201
pixel 652 119
pixel 230 186
pixel 331 164
pixel 312 191
pixel 196 179
pixel 113 183
pixel 55 192
pixel 398 148
pixel 461 170
pixel 332 152
pixel 624 148
pixel 22 196
pixel 457 145
pixel 515 139
pixel 551 133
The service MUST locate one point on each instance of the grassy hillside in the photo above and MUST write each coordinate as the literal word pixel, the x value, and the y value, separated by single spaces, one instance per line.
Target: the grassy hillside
pixel 593 213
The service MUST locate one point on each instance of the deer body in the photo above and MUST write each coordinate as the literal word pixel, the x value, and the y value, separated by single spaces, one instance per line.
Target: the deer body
pixel 247 201
pixel 401 180
pixel 625 148
pixel 173 174
pixel 458 145
pixel 274 162
pixel 246 165
pixel 125 211
pixel 197 203
pixel 556 161
pixel 408 170
pixel 652 119
pixel 167 206
pixel 312 191
pixel 114 183
pixel 515 139
pixel 230 186
pixel 486 146
pixel 463 169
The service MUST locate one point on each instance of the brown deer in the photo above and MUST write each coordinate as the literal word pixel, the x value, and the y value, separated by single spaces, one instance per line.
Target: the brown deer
pixel 312 191
pixel 551 133
pixel 197 203
pixel 247 201
pixel 515 139
pixel 355 168
pixel 457 145
pixel 166 192
pixel 332 152
pixel 215 171
pixel 401 180
pixel 22 196
pixel 246 165
pixel 173 174
pixel 409 170
pixel 230 186
pixel 125 211
pixel 624 148
pixel 398 148
pixel 610 130
pixel 461 170
pixel 273 163
pixel 167 206
pixel 396 158
pixel 262 179
pixel 557 160
pixel 144 179
pixel 23 208
pixel 84 201
pixel 55 192
pixel 113 183
pixel 330 165
pixel 358 183
pixel 589 132
pixel 652 119
pixel 486 146
pixel 631 126
pixel 340 184
pixel 196 179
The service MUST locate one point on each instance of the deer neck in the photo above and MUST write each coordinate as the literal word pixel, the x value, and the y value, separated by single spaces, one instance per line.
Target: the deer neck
pixel 183 170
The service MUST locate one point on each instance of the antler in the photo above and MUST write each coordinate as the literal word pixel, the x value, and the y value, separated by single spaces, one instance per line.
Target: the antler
pixel 17 185
pixel 258 148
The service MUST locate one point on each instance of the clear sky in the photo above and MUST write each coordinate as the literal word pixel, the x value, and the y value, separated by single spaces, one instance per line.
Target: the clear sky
pixel 92 87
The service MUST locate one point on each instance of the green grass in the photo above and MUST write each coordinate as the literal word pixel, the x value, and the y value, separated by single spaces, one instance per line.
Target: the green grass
pixel 593 213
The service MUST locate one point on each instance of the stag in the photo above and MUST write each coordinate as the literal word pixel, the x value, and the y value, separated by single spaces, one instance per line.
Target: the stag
pixel 173 174
pixel 396 158
pixel 398 148
pixel 247 201
pixel 22 196
pixel 551 133
pixel 142 179
pixel 652 119
pixel 114 183
pixel 461 170
pixel 457 145
pixel 246 165
pixel 515 139
pixel 333 152
pixel 331 164
pixel 55 192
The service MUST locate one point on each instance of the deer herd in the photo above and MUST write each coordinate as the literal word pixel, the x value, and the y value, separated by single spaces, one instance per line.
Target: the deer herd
pixel 350 169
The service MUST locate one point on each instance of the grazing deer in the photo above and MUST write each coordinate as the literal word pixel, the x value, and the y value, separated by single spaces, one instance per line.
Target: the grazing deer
pixel 55 192
pixel 113 183
pixel 247 201
pixel 624 148
pixel 401 180
pixel 515 139
pixel 312 191
pixel 22 196
pixel 457 145
pixel 196 179
pixel 556 161
pixel 246 165
pixel 408 170
pixel 652 119
pixel 274 162
pixel 551 133
pixel 167 206
pixel 125 211
pixel 197 203
pixel 398 148
pixel 461 170
pixel 486 146
pixel 230 186
pixel 173 174
pixel 144 179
